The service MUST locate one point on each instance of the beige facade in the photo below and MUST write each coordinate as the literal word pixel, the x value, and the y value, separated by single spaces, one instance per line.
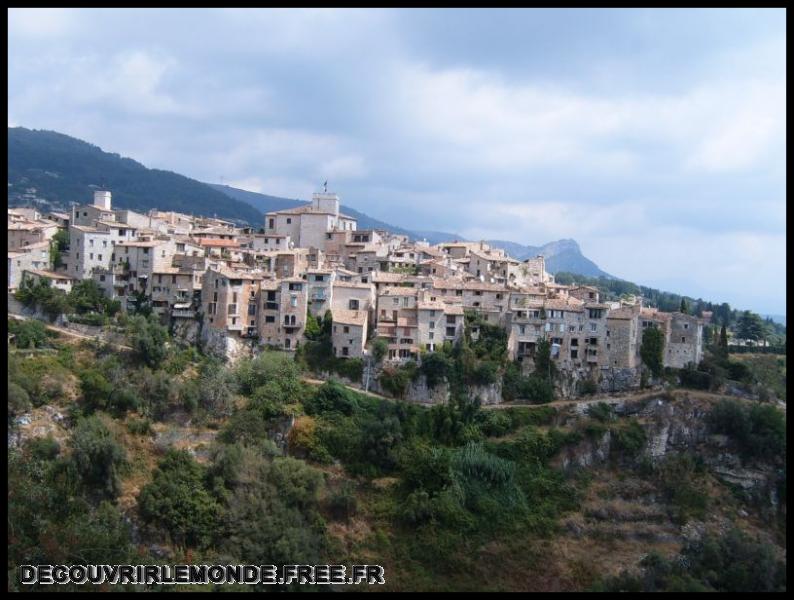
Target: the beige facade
pixel 35 257
pixel 349 333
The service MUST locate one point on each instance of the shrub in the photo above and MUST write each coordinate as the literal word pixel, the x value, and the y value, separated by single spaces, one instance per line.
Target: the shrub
pixel 331 397
pixel 628 439
pixel 29 333
pixel 351 368
pixel 96 390
pixel 395 380
pixel 343 504
pixel 97 456
pixel 45 448
pixel 758 430
pixel 435 366
pixel 139 426
pixel 178 501
pixel 148 339
pixel 588 387
pixel 304 440
pixel 379 349
pixel 601 412
pixel 696 379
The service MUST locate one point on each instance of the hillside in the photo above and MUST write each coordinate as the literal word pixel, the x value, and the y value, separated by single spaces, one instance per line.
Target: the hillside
pixel 59 169
pixel 159 454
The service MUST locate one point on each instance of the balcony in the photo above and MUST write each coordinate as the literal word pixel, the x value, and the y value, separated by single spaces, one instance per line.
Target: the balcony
pixel 183 313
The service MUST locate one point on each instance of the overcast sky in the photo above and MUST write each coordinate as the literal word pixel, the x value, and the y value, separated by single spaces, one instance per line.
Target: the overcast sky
pixel 654 138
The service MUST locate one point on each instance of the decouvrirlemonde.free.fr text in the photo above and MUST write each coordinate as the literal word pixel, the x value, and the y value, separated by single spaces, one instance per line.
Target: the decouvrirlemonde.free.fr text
pixel 202 574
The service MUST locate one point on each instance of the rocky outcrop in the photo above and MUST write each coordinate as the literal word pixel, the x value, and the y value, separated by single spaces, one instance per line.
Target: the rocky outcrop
pixel 225 346
pixel 188 330
pixel 672 425
pixel 568 384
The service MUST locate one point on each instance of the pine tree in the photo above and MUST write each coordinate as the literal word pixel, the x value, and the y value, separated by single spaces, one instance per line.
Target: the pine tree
pixel 684 308
pixel 723 340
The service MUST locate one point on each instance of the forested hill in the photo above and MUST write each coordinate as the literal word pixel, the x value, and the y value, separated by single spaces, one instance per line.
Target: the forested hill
pixel 63 169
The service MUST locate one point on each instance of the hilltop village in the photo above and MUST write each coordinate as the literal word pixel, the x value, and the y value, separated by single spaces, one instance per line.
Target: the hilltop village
pixel 238 289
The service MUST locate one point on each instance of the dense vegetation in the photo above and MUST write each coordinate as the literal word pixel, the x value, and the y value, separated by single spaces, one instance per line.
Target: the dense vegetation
pixel 85 301
pixel 732 562
pixel 294 472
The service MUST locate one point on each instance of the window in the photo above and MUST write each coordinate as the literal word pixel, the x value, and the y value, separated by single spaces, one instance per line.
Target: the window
pixel 345 351
pixel 574 353
pixel 99 257
pixel 270 319
pixel 293 300
pixel 232 309
pixel 430 335
pixel 251 309
pixel 289 222
pixel 686 325
pixel 593 327
pixel 574 342
pixel 450 332
pixel 521 329
pixel 345 329
pixel 683 340
pixel 562 327
pixel 352 304
pixel 91 243
pixel 270 225
pixel 295 287
pixel 432 324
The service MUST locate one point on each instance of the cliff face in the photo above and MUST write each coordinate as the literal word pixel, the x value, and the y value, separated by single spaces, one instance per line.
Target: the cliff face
pixel 672 425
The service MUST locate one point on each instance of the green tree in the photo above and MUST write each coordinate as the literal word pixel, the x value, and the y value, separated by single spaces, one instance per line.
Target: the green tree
pixel 97 456
pixel 683 308
pixel 96 390
pixel 751 327
pixel 379 349
pixel 652 350
pixel 28 334
pixel 148 339
pixel 58 245
pixel 723 343
pixel 178 501
pixel 544 365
